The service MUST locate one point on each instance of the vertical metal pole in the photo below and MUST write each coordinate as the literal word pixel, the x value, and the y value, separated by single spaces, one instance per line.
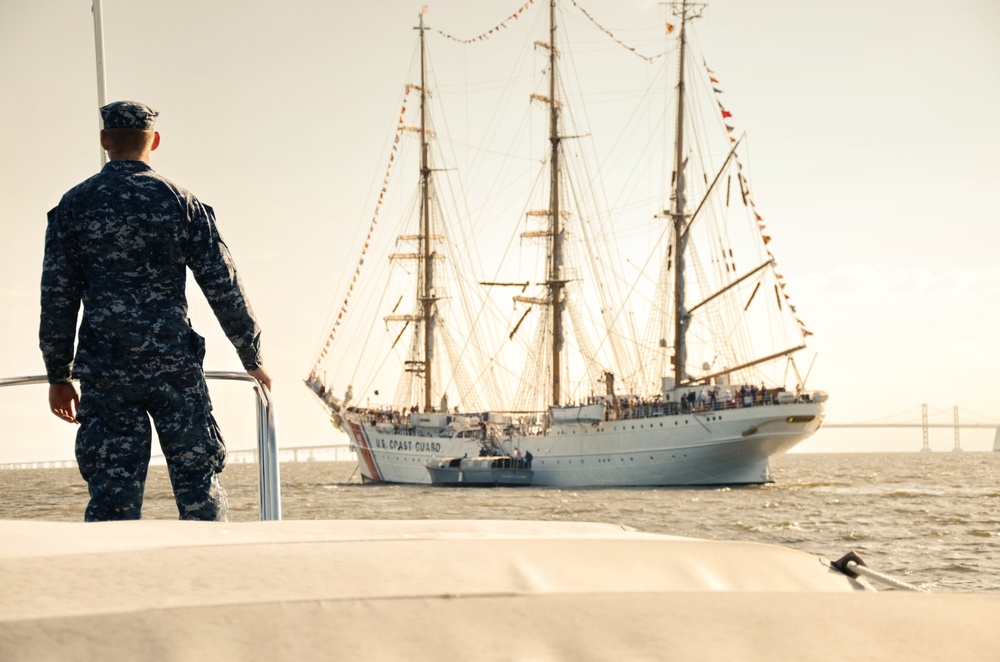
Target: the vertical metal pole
pixel 267 453
pixel 102 92
pixel 267 439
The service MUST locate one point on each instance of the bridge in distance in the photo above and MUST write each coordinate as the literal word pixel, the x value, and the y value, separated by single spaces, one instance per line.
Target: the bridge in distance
pixel 925 425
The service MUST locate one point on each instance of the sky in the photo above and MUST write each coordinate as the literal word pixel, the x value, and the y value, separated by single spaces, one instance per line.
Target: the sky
pixel 870 125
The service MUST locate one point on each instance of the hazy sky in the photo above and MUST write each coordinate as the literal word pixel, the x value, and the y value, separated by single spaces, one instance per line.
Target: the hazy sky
pixel 872 130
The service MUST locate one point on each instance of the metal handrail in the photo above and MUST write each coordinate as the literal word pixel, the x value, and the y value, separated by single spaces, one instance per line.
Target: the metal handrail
pixel 267 439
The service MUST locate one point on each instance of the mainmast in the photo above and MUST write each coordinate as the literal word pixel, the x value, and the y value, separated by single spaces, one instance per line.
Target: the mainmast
pixel 686 11
pixel 426 286
pixel 555 282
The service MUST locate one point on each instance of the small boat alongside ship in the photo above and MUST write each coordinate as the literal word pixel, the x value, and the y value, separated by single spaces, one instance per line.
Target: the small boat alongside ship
pixel 482 471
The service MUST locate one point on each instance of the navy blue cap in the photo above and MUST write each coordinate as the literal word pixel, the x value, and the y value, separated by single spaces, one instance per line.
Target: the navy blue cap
pixel 128 115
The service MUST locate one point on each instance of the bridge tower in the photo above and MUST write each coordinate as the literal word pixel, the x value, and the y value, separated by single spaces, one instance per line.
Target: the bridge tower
pixel 923 421
pixel 958 444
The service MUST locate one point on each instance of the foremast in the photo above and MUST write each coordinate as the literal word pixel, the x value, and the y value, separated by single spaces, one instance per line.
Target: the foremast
pixel 426 291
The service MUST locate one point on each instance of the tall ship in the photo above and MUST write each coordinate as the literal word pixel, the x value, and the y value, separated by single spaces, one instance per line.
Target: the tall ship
pixel 593 353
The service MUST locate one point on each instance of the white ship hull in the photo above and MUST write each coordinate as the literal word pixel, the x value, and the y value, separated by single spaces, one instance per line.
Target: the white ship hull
pixel 723 447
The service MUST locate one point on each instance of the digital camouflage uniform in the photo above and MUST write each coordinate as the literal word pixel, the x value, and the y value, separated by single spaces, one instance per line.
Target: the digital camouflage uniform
pixel 121 243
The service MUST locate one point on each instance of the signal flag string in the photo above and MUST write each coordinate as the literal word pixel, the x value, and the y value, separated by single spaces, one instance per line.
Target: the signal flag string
pixel 400 127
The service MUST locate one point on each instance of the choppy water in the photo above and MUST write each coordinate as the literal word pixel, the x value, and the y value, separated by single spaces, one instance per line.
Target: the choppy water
pixel 930 519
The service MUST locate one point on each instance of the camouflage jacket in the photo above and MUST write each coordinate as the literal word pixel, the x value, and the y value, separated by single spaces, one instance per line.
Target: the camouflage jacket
pixel 121 243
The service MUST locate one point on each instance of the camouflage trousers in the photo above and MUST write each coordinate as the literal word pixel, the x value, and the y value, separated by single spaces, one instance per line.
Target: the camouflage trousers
pixel 114 441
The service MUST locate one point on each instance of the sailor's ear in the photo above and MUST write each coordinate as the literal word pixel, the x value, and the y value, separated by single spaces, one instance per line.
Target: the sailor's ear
pixel 104 140
pixel 156 140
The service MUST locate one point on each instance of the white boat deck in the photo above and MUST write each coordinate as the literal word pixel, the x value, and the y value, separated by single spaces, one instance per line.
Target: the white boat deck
pixel 443 590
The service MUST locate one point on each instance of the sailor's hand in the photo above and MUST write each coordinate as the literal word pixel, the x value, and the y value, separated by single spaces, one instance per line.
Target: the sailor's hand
pixel 260 374
pixel 64 401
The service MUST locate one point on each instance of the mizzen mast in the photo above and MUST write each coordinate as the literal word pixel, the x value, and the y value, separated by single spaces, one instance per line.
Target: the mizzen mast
pixel 686 11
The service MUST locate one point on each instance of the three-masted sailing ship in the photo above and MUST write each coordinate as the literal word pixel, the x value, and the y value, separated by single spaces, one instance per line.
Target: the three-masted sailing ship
pixel 697 398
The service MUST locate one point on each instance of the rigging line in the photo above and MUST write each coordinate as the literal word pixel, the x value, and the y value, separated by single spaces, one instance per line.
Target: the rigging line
pixel 457 376
pixel 477 87
pixel 616 39
pixel 630 127
pixel 605 296
pixel 457 355
pixel 487 376
pixel 461 282
pixel 494 125
pixel 497 181
pixel 626 125
pixel 482 150
pixel 531 383
pixel 631 290
pixel 374 306
pixel 395 138
pixel 374 373
pixel 635 283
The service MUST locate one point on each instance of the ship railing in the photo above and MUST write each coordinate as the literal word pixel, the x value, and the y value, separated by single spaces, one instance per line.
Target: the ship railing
pixel 267 439
pixel 646 409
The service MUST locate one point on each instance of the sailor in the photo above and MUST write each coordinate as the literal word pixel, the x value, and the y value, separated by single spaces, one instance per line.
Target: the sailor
pixel 120 243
